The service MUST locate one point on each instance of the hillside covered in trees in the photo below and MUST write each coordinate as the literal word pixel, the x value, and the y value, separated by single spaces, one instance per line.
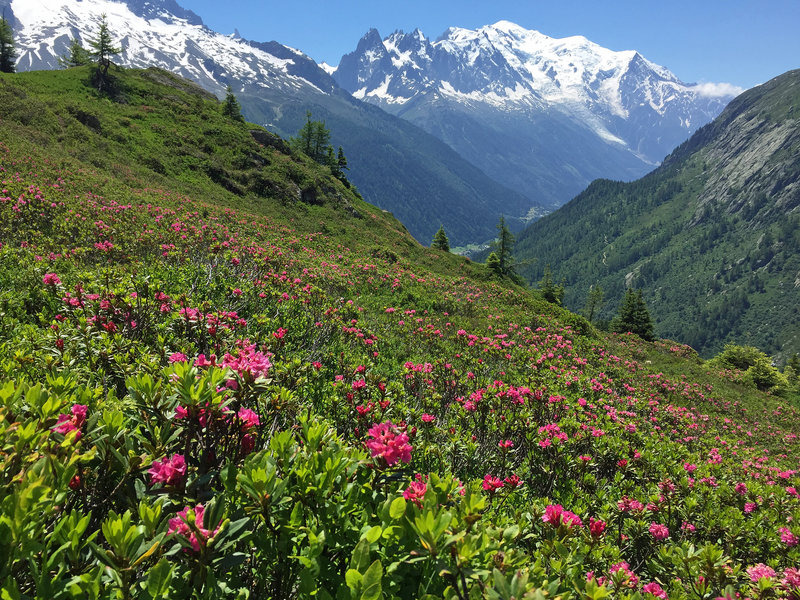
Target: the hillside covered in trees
pixel 712 237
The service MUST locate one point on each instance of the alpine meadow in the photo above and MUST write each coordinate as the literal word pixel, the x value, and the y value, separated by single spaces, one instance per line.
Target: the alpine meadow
pixel 227 371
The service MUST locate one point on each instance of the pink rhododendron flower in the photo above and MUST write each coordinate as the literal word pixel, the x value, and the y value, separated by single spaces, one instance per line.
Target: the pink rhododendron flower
pixel 388 443
pixel 791 582
pixel 169 471
pixel 760 571
pixel 596 527
pixel 51 279
pixel 426 418
pixel 622 575
pixel 513 481
pixel 177 357
pixel 416 492
pixel 787 537
pixel 741 489
pixel 491 483
pixel 556 515
pixel 249 418
pixel 659 531
pixel 71 422
pixel 654 589
pixel 180 525
pixel 749 507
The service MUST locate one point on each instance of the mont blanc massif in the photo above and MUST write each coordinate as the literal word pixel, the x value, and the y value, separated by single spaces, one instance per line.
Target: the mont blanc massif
pixel 487 315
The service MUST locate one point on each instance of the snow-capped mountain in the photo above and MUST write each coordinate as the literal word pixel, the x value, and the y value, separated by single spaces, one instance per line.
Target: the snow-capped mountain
pixel 541 106
pixel 159 33
pixel 395 164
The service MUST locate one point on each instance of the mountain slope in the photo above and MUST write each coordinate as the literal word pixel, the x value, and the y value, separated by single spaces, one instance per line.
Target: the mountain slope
pixel 547 115
pixel 712 236
pixel 396 165
pixel 212 391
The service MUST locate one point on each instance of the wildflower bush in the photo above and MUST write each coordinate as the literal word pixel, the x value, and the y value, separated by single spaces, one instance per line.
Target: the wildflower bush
pixel 198 401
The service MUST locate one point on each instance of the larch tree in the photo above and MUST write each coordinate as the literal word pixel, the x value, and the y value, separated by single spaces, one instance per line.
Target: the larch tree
pixel 231 107
pixel 76 56
pixel 440 241
pixel 102 49
pixel 8 53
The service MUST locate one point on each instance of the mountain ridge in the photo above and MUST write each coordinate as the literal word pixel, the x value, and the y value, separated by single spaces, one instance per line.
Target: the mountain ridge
pixel 712 236
pixel 396 165
pixel 525 93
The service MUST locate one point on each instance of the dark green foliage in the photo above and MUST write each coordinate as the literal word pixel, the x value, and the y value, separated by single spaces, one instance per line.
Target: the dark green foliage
pixel 400 168
pixel 313 140
pixel 102 49
pixel 77 56
pixel 550 291
pixel 440 240
pixel 341 162
pixel 504 247
pixel 493 263
pixel 633 316
pixel 594 302
pixel 231 107
pixel 8 53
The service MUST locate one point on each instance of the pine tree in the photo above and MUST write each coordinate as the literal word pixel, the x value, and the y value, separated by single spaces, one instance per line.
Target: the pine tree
pixel 321 142
pixel 102 49
pixel 633 316
pixel 493 263
pixel 8 54
pixel 231 107
pixel 593 302
pixel 440 240
pixel 77 55
pixel 550 291
pixel 504 248
pixel 341 161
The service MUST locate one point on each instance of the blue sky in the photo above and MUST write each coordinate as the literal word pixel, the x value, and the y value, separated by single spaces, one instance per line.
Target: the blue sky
pixel 743 42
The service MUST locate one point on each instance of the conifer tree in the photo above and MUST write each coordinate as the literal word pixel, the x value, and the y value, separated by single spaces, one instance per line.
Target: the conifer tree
pixel 493 263
pixel 550 291
pixel 76 56
pixel 231 107
pixel 341 161
pixel 593 302
pixel 633 316
pixel 8 54
pixel 504 247
pixel 440 240
pixel 102 49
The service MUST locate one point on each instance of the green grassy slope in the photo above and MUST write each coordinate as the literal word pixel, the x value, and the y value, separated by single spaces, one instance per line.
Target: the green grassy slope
pixel 712 236
pixel 212 391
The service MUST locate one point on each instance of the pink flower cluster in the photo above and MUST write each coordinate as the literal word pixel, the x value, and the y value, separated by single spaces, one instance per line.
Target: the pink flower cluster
pixel 180 525
pixel 169 471
pixel 596 527
pixel 760 571
pixel 659 531
pixel 416 491
pixel 491 483
pixel 51 279
pixel 623 576
pixel 626 504
pixel 787 537
pixel 556 515
pixel 654 589
pixel 249 363
pixel 71 422
pixel 388 443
